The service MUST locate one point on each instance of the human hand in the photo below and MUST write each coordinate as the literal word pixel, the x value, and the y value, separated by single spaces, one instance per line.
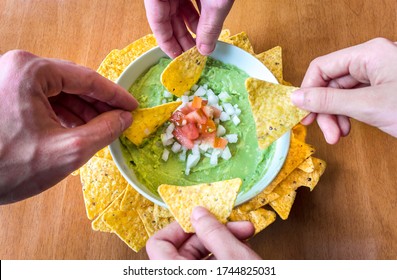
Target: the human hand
pixel 221 241
pixel 170 20
pixel 359 82
pixel 54 115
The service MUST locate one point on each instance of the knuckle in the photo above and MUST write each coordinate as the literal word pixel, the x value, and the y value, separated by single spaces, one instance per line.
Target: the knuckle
pixel 18 56
pixel 77 146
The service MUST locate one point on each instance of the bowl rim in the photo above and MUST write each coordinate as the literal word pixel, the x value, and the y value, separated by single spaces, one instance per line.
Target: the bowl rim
pixel 282 143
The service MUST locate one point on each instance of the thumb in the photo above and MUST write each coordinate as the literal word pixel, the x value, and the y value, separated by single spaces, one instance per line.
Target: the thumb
pixel 353 103
pixel 103 130
pixel 217 239
pixel 210 24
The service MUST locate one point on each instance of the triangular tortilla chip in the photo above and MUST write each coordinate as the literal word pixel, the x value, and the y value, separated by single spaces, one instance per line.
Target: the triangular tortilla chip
pixel 218 198
pixel 272 59
pixel 225 33
pixel 183 72
pixel 307 166
pixel 98 223
pixel 128 226
pixel 242 41
pixel 117 60
pixel 133 200
pixel 283 204
pixel 298 152
pixel 299 131
pixel 260 218
pixel 102 183
pixel 152 222
pixel 273 111
pixel 146 121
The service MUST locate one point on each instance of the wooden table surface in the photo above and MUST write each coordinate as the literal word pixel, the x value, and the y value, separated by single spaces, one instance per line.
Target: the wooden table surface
pixel 350 215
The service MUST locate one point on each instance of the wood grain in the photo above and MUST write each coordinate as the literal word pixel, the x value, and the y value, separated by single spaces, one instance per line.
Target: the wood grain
pixel 351 213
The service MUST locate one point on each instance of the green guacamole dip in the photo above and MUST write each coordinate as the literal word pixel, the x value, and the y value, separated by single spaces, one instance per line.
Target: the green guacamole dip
pixel 248 162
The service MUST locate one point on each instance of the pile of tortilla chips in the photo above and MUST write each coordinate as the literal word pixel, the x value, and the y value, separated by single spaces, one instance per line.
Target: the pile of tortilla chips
pixel 115 207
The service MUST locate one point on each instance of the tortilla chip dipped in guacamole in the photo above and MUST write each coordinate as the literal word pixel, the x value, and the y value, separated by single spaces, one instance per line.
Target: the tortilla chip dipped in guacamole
pixel 273 110
pixel 183 72
pixel 147 120
pixel 218 198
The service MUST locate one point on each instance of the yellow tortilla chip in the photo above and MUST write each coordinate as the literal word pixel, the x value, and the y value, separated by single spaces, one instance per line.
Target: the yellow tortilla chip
pixel 147 120
pixel 104 153
pixel 98 224
pixel 183 72
pixel 307 166
pixel 242 41
pixel 161 212
pixel 117 60
pixel 225 33
pixel 284 204
pixel 273 111
pixel 218 198
pixel 298 152
pixel 128 226
pixel 314 177
pixel 272 59
pixel 255 203
pixel 260 218
pixel 133 200
pixel 151 222
pixel 299 131
pixel 102 183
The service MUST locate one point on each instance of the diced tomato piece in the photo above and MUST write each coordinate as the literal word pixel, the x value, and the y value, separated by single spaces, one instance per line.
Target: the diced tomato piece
pixel 191 131
pixel 220 143
pixel 204 102
pixel 217 112
pixel 208 127
pixel 177 118
pixel 187 109
pixel 208 111
pixel 208 138
pixel 196 117
pixel 197 102
pixel 182 138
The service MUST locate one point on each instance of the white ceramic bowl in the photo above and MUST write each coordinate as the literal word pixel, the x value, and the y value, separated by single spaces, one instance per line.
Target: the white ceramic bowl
pixel 227 54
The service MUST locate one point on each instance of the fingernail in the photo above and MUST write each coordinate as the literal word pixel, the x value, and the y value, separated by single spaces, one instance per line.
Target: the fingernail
pixel 199 212
pixel 206 49
pixel 126 119
pixel 297 98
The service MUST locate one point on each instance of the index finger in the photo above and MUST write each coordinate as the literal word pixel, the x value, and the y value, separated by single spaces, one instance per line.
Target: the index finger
pixel 75 79
pixel 159 15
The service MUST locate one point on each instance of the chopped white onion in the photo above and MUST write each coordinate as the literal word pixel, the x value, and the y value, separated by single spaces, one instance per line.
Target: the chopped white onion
pixel 235 120
pixel 170 129
pixel 167 94
pixel 165 155
pixel 220 131
pixel 194 87
pixel 176 147
pixel 182 156
pixel 204 147
pixel 205 86
pixel 238 111
pixel 192 160
pixel 167 139
pixel 226 154
pixel 229 109
pixel 200 92
pixel 185 99
pixel 213 159
pixel 224 96
pixel 232 138
pixel 224 117
pixel 187 171
pixel 212 99
pixel 163 101
pixel 196 149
